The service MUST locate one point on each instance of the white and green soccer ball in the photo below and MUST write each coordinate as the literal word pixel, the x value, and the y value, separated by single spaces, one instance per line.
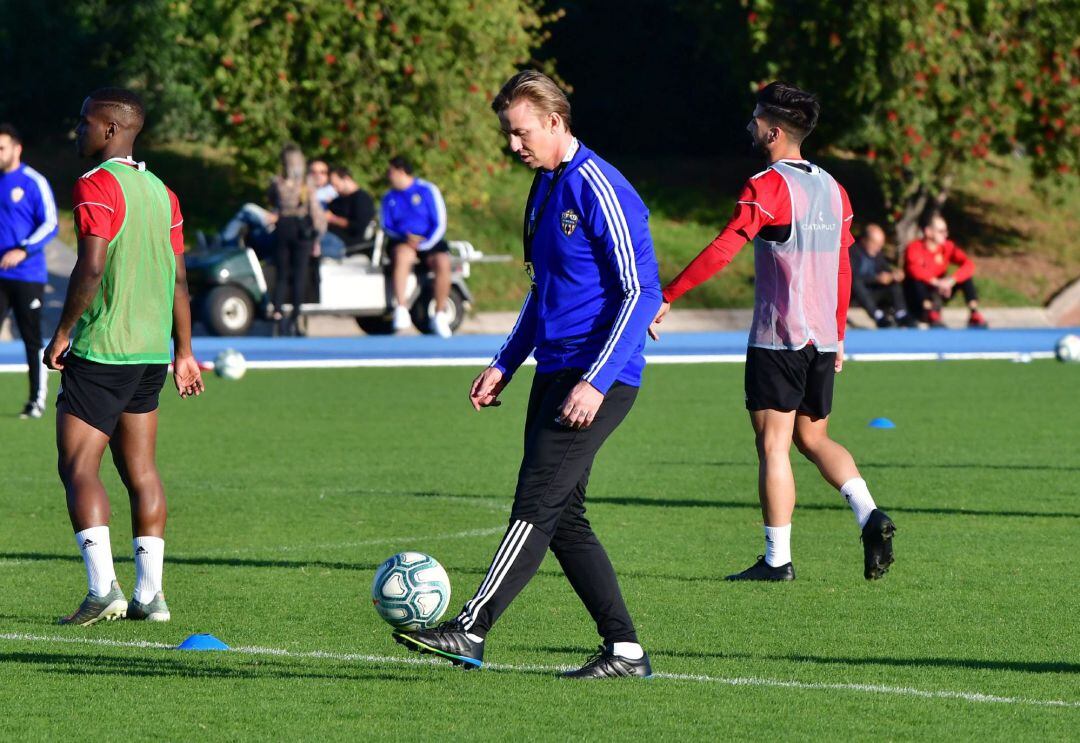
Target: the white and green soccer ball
pixel 1068 348
pixel 230 364
pixel 411 591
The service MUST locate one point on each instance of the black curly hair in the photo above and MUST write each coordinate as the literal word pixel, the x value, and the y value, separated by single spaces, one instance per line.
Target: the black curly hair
pixel 792 109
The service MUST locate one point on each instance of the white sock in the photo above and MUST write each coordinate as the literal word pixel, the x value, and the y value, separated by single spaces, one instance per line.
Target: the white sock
pixel 149 563
pixel 474 638
pixel 628 650
pixel 97 554
pixel 777 545
pixel 859 498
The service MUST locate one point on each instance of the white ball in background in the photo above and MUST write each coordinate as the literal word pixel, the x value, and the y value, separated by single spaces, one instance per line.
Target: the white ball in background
pixel 1068 348
pixel 230 364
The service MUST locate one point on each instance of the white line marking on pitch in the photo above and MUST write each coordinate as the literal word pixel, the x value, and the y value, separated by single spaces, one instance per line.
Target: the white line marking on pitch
pixel 907 691
pixel 689 358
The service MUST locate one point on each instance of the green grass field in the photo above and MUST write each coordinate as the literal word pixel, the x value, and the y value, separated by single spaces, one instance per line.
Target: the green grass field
pixel 287 489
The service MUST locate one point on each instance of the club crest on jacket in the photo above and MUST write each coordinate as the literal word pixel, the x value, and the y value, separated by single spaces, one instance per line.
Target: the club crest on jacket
pixel 569 222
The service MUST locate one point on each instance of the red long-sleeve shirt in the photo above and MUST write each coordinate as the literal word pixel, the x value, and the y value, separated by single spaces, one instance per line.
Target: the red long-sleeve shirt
pixel 764 202
pixel 923 264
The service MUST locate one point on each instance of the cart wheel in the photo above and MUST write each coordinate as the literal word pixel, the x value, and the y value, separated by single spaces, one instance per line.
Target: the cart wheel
pixel 424 308
pixel 229 310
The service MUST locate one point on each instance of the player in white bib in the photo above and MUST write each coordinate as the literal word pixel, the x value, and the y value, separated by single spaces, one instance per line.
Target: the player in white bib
pixel 799 219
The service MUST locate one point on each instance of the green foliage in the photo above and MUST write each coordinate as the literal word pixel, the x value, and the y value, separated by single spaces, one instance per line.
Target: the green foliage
pixel 919 88
pixel 356 80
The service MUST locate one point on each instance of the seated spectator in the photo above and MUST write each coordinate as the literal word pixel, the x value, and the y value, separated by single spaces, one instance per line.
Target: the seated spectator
pixel 926 264
pixel 252 226
pixel 875 283
pixel 414 220
pixel 349 215
pixel 319 173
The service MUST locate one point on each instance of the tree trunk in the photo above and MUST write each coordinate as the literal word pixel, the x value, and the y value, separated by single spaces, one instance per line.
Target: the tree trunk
pixel 907 227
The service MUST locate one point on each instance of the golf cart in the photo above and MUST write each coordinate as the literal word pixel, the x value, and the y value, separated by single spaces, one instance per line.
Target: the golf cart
pixel 231 286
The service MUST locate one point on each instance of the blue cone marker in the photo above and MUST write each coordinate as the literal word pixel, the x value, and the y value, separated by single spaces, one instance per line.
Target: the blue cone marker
pixel 202 642
pixel 881 423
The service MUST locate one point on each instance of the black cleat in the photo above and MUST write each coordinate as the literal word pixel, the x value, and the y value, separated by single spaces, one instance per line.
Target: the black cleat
pixel 762 570
pixel 877 544
pixel 604 664
pixel 448 640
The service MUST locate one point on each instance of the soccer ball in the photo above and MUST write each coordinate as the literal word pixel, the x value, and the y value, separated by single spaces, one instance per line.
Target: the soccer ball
pixel 411 590
pixel 1068 348
pixel 230 364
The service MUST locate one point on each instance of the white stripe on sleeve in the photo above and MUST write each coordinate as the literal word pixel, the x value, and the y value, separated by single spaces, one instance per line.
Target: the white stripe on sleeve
pixel 758 205
pixel 624 255
pixel 47 201
pixel 92 203
pixel 440 216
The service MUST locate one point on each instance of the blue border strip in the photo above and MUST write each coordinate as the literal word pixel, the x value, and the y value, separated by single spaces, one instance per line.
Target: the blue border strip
pixel 892 342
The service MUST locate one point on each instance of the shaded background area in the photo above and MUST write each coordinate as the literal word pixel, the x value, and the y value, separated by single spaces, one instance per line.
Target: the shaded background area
pixel 643 85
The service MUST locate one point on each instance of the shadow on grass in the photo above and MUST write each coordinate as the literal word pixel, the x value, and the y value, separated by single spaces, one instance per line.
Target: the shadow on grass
pixel 909 466
pixel 964 663
pixel 657 654
pixel 130 666
pixel 661 502
pixel 686 503
pixel 259 562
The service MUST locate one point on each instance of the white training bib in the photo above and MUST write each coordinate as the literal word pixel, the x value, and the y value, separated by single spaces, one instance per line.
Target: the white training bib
pixel 795 290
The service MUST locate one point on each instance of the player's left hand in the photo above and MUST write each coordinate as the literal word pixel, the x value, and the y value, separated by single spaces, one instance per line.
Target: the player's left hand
pixel 187 376
pixel 839 365
pixel 12 258
pixel 580 406
pixel 54 352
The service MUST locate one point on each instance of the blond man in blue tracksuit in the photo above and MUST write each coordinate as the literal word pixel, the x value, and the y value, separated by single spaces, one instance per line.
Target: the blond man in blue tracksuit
pixel 595 290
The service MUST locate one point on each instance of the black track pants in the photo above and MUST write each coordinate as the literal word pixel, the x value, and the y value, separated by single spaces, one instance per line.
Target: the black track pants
pixel 26 300
pixel 549 512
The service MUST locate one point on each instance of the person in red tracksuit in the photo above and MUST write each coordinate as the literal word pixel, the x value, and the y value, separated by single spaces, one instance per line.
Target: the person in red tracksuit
pixel 799 219
pixel 926 268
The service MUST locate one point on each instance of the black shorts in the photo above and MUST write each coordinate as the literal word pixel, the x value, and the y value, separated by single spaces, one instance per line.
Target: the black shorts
pixel 99 393
pixel 440 247
pixel 790 380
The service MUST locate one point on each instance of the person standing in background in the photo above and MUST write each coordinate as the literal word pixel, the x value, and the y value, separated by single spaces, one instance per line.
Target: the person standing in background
pixel 300 220
pixel 27 223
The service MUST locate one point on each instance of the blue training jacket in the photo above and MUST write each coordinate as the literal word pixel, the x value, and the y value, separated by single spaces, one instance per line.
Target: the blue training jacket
pixel 27 221
pixel 418 210
pixel 597 283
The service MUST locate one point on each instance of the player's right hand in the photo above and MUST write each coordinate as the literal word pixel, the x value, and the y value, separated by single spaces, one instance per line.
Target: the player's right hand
pixel 485 389
pixel 187 376
pixel 654 332
pixel 54 352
